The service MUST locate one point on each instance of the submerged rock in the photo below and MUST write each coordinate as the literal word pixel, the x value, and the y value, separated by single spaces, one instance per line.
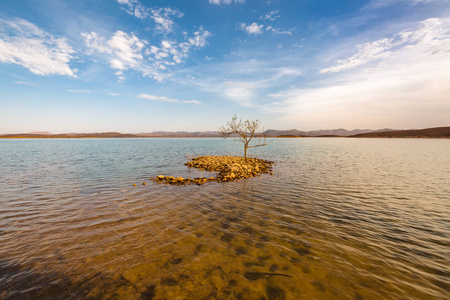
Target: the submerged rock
pixel 167 281
pixel 274 292
pixel 131 276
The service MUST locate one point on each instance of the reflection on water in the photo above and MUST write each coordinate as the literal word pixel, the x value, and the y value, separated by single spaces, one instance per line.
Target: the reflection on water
pixel 339 219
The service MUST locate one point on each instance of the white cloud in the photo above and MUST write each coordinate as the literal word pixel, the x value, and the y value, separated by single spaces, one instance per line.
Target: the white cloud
pixel 405 83
pixel 280 31
pixel 166 44
pixel 192 101
pixel 113 94
pixel 243 82
pixel 94 42
pixel 270 16
pixel 80 91
pixel 431 35
pixel 123 51
pixel 241 92
pixel 225 2
pixel 199 38
pixel 256 28
pixel 366 53
pixel 24 44
pixel 253 28
pixel 165 99
pixel 25 82
pixel 128 52
pixel 161 16
pixel 374 4
pixel 151 60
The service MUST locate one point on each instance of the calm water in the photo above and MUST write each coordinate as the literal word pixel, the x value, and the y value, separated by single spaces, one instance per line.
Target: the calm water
pixel 339 219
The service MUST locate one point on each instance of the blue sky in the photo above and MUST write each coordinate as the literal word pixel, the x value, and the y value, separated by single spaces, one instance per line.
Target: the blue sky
pixel 140 66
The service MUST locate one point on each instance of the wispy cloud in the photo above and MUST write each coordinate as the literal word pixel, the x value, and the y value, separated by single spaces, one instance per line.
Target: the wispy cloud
pixel 24 44
pixel 430 36
pixel 374 4
pixel 225 2
pixel 113 94
pixel 257 29
pixel 165 99
pixel 253 28
pixel 280 31
pixel 25 82
pixel 244 82
pixel 80 91
pixel 270 16
pixel 401 80
pixel 162 17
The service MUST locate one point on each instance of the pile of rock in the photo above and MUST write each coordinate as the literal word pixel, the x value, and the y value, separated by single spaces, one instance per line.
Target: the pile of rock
pixel 229 168
pixel 183 181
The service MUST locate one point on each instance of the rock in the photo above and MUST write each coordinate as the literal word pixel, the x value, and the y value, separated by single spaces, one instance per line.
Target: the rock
pixel 131 276
pixel 149 293
pixel 167 281
pixel 274 292
pixel 229 168
pixel 217 280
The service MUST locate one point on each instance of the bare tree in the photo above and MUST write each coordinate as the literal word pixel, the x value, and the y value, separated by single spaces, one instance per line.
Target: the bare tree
pixel 245 132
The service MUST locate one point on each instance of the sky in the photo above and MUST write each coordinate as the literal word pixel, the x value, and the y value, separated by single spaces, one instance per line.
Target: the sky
pixel 137 66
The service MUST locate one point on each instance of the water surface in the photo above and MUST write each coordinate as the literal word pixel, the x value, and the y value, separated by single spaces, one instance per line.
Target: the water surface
pixel 339 219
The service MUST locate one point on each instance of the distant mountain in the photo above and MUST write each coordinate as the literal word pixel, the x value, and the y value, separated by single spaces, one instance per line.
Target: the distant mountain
pixel 70 135
pixel 430 132
pixel 40 132
pixel 179 134
pixel 318 133
pixel 436 132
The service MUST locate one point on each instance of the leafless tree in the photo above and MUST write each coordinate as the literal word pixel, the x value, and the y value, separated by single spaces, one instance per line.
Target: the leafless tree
pixel 245 131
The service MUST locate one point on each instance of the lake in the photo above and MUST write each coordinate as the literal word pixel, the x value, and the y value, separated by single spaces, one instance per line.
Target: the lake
pixel 340 218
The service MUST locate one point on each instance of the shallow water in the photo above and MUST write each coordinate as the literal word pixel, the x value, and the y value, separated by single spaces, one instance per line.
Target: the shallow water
pixel 339 219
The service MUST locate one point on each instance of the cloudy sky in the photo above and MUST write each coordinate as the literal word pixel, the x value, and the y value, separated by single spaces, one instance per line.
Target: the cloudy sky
pixel 146 65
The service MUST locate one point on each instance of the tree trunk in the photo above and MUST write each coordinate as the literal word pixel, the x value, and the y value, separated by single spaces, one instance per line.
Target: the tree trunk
pixel 245 151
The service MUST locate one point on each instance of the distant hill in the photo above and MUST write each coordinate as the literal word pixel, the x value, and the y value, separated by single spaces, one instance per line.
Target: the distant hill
pixel 318 133
pixel 436 132
pixel 69 135
pixel 179 134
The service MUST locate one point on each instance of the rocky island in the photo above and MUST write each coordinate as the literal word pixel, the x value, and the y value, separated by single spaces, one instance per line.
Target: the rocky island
pixel 228 168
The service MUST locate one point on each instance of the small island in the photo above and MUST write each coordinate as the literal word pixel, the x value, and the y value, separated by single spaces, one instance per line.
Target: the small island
pixel 229 168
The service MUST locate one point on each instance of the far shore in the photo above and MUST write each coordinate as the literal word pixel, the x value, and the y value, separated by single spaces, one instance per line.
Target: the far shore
pixel 436 132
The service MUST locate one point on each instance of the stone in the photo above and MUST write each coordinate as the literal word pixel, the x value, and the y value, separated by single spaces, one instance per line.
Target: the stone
pixel 275 293
pixel 217 280
pixel 229 168
pixel 302 251
pixel 149 292
pixel 131 276
pixel 167 281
